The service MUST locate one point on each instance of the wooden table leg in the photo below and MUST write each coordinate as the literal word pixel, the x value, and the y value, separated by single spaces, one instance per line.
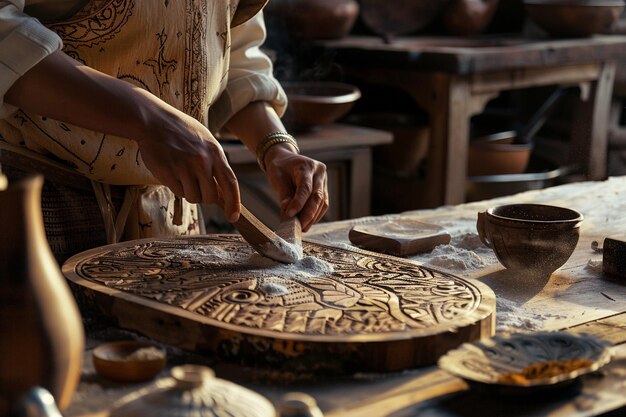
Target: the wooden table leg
pixel 590 122
pixel 447 158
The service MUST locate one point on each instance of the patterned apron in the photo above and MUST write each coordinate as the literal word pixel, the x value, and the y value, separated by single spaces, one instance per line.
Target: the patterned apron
pixel 179 50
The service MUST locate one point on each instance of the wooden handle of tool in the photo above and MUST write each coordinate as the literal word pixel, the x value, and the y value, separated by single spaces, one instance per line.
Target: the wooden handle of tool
pixel 262 239
pixel 290 229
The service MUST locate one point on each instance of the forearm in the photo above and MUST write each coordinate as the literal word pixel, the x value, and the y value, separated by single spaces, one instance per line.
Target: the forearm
pixel 299 180
pixel 177 149
pixel 63 89
pixel 253 123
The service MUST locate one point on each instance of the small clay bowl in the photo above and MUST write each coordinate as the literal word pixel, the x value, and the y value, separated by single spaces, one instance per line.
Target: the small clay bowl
pixel 534 238
pixel 128 361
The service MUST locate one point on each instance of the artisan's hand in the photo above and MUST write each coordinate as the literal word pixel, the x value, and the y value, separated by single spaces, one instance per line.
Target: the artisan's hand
pixel 182 154
pixel 178 150
pixel 301 183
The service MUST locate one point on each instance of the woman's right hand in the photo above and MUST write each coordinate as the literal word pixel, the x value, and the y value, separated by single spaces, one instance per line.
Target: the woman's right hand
pixel 183 155
pixel 177 149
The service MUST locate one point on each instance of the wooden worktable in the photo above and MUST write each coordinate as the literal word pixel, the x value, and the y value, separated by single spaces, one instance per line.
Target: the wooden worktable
pixel 452 79
pixel 576 297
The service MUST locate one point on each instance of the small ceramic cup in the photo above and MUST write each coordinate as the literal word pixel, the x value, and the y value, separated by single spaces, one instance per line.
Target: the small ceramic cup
pixel 534 238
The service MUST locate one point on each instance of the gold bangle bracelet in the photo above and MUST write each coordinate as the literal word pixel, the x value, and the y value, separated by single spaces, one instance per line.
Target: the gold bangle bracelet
pixel 271 140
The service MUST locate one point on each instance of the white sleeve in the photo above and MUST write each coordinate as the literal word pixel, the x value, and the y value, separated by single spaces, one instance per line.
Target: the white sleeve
pixel 250 75
pixel 24 41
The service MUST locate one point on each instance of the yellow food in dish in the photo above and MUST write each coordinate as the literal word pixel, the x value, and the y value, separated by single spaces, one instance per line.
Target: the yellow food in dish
pixel 543 370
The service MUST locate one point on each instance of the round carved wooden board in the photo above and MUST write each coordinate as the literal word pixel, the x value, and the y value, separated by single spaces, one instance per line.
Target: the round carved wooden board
pixel 339 309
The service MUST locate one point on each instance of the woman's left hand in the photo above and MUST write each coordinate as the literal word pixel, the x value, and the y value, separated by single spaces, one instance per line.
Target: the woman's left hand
pixel 301 184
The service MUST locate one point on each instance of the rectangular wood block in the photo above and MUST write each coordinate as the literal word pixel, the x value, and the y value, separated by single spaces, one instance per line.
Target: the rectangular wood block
pixel 614 257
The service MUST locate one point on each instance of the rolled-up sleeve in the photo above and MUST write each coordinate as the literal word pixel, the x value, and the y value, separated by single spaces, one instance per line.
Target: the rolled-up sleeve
pixel 24 41
pixel 250 75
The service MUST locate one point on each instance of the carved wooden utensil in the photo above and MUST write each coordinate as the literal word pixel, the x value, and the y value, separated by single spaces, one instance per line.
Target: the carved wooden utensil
pixel 264 241
pixel 399 237
pixel 290 229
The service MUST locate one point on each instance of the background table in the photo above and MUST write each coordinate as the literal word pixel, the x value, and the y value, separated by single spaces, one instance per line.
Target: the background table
pixel 452 79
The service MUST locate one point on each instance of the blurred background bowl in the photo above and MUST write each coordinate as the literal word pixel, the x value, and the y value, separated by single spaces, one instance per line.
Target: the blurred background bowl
pixel 390 18
pixel 468 17
pixel 575 18
pixel 411 137
pixel 497 154
pixel 316 103
pixel 540 173
pixel 315 19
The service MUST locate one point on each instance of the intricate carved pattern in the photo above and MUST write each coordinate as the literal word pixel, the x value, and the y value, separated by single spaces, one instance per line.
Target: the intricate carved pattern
pixel 366 293
pixel 97 23
pixel 195 60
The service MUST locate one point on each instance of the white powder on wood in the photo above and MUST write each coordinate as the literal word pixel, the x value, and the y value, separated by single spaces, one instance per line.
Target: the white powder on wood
pixel 273 288
pixel 257 265
pixel 274 278
pixel 469 241
pixel 305 268
pixel 281 250
pixel 510 317
pixel 456 259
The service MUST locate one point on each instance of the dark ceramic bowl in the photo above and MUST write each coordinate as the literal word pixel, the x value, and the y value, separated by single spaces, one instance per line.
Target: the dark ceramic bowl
pixel 317 103
pixel 535 238
pixel 574 18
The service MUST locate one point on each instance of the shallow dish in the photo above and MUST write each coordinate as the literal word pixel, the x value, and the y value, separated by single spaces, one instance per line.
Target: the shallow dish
pixel 128 361
pixel 492 362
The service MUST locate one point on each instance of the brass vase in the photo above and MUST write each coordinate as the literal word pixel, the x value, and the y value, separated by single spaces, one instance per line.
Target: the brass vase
pixel 41 332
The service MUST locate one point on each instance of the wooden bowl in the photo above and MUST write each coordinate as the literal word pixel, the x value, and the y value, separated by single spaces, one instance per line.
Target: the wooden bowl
pixel 534 238
pixel 574 18
pixel 497 154
pixel 128 361
pixel 317 103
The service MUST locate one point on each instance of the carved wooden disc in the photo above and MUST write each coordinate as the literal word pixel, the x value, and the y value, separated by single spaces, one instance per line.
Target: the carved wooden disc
pixel 340 308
